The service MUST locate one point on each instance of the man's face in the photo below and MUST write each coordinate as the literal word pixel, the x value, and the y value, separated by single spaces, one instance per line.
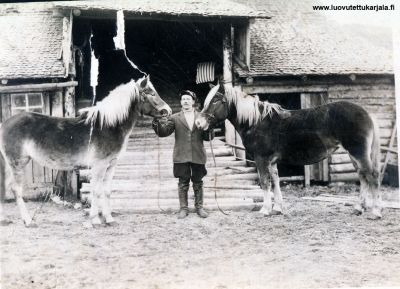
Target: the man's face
pixel 186 101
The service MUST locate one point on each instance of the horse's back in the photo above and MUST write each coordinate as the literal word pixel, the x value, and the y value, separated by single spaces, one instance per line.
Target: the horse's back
pixel 310 135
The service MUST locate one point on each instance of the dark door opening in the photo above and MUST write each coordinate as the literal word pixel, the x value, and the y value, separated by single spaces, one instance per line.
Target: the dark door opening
pixel 167 50
pixel 170 51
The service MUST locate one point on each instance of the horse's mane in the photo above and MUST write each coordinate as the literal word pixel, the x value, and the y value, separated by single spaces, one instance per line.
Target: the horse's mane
pixel 250 109
pixel 114 108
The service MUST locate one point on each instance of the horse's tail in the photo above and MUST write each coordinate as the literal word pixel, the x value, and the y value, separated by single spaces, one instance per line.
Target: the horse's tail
pixel 376 150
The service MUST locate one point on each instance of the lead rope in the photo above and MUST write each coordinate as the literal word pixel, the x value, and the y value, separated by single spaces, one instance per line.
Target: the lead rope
pixel 215 175
pixel 159 172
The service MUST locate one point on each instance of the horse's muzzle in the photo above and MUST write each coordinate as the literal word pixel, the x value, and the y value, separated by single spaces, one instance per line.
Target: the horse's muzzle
pixel 164 112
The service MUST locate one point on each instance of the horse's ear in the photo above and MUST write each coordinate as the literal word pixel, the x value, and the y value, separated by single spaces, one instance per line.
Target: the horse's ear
pixel 143 83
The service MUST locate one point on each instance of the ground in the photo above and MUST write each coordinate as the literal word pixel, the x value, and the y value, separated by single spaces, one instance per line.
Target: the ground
pixel 313 245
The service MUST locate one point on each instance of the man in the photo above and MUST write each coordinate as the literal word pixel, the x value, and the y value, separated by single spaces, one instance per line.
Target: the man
pixel 189 154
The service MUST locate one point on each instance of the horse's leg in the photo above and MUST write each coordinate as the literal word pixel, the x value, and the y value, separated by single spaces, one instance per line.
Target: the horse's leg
pixel 17 189
pixel 97 190
pixel 278 201
pixel 265 182
pixel 360 206
pixel 369 180
pixel 3 220
pixel 105 197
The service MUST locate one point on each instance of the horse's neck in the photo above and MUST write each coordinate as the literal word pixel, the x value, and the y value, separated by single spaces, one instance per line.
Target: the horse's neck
pixel 242 128
pixel 130 121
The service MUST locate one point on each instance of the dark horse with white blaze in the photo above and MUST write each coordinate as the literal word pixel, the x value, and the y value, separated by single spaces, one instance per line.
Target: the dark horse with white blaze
pixel 272 134
pixel 94 139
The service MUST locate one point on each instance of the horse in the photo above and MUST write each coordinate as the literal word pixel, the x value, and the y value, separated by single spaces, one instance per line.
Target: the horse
pixel 300 137
pixel 94 139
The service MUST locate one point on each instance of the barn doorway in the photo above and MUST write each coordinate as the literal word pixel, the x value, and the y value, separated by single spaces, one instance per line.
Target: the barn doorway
pixel 170 51
pixel 167 50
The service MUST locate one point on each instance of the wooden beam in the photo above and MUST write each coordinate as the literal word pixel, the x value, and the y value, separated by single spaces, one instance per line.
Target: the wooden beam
pixel 240 62
pixel 37 87
pixel 307 176
pixel 2 179
pixel 227 55
pixel 387 157
pixel 284 89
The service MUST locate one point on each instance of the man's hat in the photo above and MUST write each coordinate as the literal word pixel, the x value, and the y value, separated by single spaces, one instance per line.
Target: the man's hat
pixel 188 92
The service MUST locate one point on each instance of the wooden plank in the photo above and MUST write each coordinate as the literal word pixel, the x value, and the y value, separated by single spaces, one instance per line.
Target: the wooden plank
pixel 307 172
pixel 325 170
pixel 342 168
pixel 57 104
pixel 340 159
pixel 36 87
pixel 5 106
pixel 345 177
pixel 385 132
pixel 385 123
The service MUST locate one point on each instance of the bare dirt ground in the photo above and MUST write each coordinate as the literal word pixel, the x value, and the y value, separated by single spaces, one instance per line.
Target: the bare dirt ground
pixel 313 245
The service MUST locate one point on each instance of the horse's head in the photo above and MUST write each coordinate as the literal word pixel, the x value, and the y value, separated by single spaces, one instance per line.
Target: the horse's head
pixel 215 108
pixel 151 103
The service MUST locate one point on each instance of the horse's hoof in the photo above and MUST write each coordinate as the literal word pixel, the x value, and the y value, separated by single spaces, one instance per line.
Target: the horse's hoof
pixel 95 220
pixel 5 222
pixel 31 225
pixel 265 212
pixel 112 224
pixel 374 217
pixel 87 225
pixel 356 212
pixel 275 213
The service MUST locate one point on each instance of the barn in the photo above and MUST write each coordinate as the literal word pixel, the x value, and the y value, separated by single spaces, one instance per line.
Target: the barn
pixel 301 59
pixel 281 52
pixel 169 40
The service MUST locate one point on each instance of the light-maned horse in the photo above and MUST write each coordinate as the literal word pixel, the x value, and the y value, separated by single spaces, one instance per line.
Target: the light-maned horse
pixel 94 139
pixel 301 137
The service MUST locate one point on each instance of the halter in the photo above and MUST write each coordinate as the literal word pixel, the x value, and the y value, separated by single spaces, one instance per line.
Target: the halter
pixel 158 107
pixel 211 117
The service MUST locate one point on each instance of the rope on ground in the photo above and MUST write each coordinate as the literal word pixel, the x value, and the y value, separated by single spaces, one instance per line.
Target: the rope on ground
pixel 215 175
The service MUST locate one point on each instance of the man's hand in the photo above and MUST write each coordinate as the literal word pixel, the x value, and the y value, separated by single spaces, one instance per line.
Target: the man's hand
pixel 160 120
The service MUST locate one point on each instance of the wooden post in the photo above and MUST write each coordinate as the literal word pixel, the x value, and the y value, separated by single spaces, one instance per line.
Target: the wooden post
pixel 2 179
pixel 307 173
pixel 227 55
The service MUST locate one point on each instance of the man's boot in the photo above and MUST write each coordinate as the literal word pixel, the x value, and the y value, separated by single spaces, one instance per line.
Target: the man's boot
pixel 198 199
pixel 183 189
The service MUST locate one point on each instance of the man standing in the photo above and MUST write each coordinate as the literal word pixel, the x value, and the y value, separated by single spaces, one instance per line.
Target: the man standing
pixel 189 154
